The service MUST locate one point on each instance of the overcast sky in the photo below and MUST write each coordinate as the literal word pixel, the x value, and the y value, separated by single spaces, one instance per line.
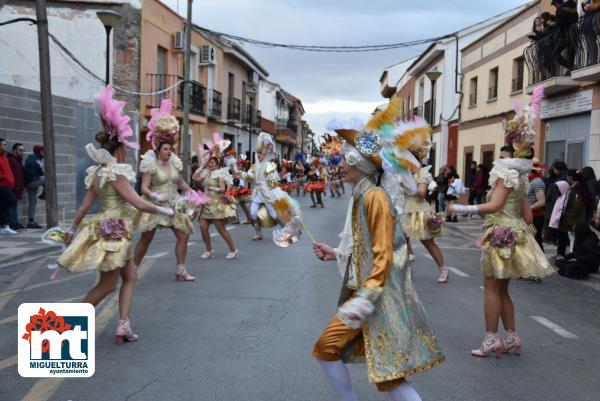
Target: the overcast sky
pixel 332 84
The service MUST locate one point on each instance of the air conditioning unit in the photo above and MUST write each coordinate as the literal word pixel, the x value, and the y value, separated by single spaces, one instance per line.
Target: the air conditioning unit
pixel 179 40
pixel 208 55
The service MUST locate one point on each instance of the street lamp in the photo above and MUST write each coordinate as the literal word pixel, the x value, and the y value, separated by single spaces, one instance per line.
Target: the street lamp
pixel 433 76
pixel 109 19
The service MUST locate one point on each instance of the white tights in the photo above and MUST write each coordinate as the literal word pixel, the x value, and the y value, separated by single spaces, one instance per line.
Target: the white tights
pixel 404 392
pixel 339 377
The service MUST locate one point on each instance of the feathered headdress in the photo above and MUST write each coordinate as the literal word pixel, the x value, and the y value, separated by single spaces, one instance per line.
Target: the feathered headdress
pixel 407 144
pixel 114 122
pixel 335 158
pixel 264 143
pixel 213 149
pixel 300 157
pixel 163 126
pixel 287 164
pixel 520 131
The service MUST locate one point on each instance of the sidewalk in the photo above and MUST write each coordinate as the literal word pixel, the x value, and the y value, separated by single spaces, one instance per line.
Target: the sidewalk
pixel 23 247
pixel 472 229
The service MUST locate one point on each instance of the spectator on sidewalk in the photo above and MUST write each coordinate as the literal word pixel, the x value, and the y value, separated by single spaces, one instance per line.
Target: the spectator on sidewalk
pixel 455 189
pixel 442 185
pixel 471 182
pixel 557 173
pixel 7 197
pixel 536 196
pixel 34 178
pixel 589 179
pixel 585 258
pixel 480 184
pixel 579 187
pixel 16 165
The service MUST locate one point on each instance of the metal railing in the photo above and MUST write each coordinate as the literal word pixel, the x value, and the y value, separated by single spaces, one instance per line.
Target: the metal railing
pixel 492 92
pixel 585 41
pixel 517 84
pixel 545 59
pixel 249 117
pixel 234 107
pixel 216 103
pixel 473 99
pixel 159 82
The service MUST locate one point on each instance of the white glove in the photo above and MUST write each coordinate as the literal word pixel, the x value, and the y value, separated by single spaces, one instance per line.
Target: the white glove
pixel 355 311
pixel 164 210
pixel 156 197
pixel 464 208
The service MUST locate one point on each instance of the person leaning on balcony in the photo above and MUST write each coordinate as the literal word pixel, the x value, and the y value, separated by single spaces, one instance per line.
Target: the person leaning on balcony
pixel 566 16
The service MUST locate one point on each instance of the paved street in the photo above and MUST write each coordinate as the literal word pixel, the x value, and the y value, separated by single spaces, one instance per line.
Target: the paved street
pixel 245 329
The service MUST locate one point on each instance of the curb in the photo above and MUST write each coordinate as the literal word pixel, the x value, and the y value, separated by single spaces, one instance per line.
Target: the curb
pixel 28 256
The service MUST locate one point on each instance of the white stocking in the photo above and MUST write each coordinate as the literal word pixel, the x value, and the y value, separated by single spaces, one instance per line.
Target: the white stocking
pixel 254 206
pixel 405 392
pixel 339 378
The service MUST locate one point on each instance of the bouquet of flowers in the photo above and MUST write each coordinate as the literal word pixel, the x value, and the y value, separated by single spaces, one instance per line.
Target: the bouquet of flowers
pixel 111 229
pixel 434 223
pixel 503 238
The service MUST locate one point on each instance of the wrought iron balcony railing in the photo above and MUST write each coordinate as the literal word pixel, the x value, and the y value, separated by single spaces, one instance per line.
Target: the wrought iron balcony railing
pixel 160 82
pixel 545 59
pixel 215 109
pixel 234 107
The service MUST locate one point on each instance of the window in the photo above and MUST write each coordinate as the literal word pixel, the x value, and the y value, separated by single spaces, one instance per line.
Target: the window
pixel 468 159
pixel 518 69
pixel 473 92
pixel 575 155
pixel 432 160
pixel 555 151
pixel 161 60
pixel 493 84
pixel 231 84
pixel 487 156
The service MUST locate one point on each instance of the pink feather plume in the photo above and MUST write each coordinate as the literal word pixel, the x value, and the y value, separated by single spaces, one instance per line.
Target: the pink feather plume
pixel 536 99
pixel 198 198
pixel 164 110
pixel 113 119
pixel 517 106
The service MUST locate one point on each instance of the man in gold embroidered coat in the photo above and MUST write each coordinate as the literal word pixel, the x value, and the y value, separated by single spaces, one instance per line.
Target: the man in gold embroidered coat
pixel 380 318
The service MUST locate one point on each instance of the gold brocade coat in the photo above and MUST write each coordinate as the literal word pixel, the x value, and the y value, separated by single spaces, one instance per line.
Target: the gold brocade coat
pixel 398 339
pixel 88 250
pixel 165 184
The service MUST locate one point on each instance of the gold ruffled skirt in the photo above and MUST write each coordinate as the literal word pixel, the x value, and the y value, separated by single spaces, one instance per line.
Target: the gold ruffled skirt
pixel 144 222
pixel 217 210
pixel 415 226
pixel 523 259
pixel 89 251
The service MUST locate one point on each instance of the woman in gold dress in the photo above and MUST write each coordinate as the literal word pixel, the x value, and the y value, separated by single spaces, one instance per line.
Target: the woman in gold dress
pixel 103 241
pixel 420 221
pixel 161 172
pixel 508 247
pixel 213 180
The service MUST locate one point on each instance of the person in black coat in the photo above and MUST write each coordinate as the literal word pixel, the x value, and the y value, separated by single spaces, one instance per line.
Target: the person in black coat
pixel 585 258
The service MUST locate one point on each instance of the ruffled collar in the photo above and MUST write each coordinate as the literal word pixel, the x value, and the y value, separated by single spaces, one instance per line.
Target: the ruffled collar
pixel 523 166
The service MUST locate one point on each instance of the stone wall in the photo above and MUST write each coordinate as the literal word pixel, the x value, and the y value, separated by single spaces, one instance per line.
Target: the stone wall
pixel 75 125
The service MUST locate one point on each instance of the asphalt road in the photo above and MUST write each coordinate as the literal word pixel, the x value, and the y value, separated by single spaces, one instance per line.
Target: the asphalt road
pixel 245 329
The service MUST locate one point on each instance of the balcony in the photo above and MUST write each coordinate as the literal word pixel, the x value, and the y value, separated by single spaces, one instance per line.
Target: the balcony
pixel 160 82
pixel 517 84
pixel 492 93
pixel 234 108
pixel 287 131
pixel 586 65
pixel 548 68
pixel 473 100
pixel 215 104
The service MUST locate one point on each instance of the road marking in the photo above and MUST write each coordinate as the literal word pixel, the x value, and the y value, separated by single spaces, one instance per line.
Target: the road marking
pixel 14 318
pixel 43 389
pixel 8 362
pixel 158 255
pixel 229 228
pixel 554 327
pixel 191 243
pixel 481 288
pixel 49 282
pixel 18 284
pixel 458 272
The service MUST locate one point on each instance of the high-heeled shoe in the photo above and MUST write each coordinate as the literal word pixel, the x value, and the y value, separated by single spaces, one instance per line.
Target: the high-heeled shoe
pixel 207 255
pixel 124 333
pixel 182 274
pixel 443 277
pixel 491 342
pixel 232 255
pixel 511 341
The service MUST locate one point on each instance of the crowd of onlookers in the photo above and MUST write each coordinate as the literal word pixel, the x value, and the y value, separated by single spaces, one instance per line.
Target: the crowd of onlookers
pixel 552 33
pixel 18 176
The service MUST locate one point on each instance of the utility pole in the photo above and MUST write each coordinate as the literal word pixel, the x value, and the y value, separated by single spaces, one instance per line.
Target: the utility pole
pixel 185 136
pixel 47 120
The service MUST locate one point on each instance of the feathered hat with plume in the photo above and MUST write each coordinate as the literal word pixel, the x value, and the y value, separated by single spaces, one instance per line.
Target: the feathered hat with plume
pixel 163 126
pixel 213 149
pixel 264 143
pixel 520 131
pixel 114 122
